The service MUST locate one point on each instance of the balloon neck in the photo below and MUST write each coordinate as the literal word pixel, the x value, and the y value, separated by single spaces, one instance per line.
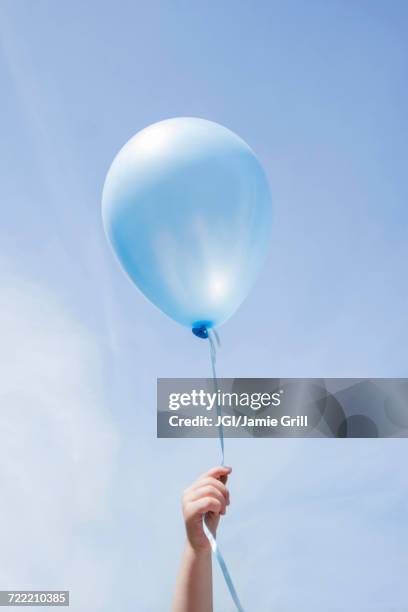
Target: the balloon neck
pixel 201 330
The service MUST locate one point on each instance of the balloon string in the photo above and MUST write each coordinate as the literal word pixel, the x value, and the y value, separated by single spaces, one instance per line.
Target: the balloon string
pixel 214 342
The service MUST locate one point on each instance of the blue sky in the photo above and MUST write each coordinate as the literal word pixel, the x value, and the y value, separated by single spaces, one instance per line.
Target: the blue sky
pixel 319 90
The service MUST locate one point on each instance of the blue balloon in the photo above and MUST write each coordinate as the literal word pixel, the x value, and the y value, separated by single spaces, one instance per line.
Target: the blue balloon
pixel 187 208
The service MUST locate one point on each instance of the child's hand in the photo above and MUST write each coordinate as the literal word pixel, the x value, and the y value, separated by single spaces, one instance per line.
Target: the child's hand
pixel 208 495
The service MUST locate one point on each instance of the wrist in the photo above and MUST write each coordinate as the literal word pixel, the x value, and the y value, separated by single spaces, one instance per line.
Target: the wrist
pixel 198 551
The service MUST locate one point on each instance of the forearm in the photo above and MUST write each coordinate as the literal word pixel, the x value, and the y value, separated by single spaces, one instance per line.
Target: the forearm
pixel 194 582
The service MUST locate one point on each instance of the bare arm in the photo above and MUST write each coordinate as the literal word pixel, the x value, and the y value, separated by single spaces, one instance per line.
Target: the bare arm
pixel 208 495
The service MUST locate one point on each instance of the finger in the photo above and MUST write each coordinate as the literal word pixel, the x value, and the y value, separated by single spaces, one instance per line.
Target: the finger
pixel 213 482
pixel 209 480
pixel 217 472
pixel 205 504
pixel 224 479
pixel 209 491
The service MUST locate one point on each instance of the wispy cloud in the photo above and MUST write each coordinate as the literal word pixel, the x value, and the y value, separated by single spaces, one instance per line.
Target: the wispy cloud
pixel 57 447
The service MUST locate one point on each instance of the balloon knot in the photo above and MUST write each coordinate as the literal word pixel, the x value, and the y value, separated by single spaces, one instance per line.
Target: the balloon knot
pixel 200 330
